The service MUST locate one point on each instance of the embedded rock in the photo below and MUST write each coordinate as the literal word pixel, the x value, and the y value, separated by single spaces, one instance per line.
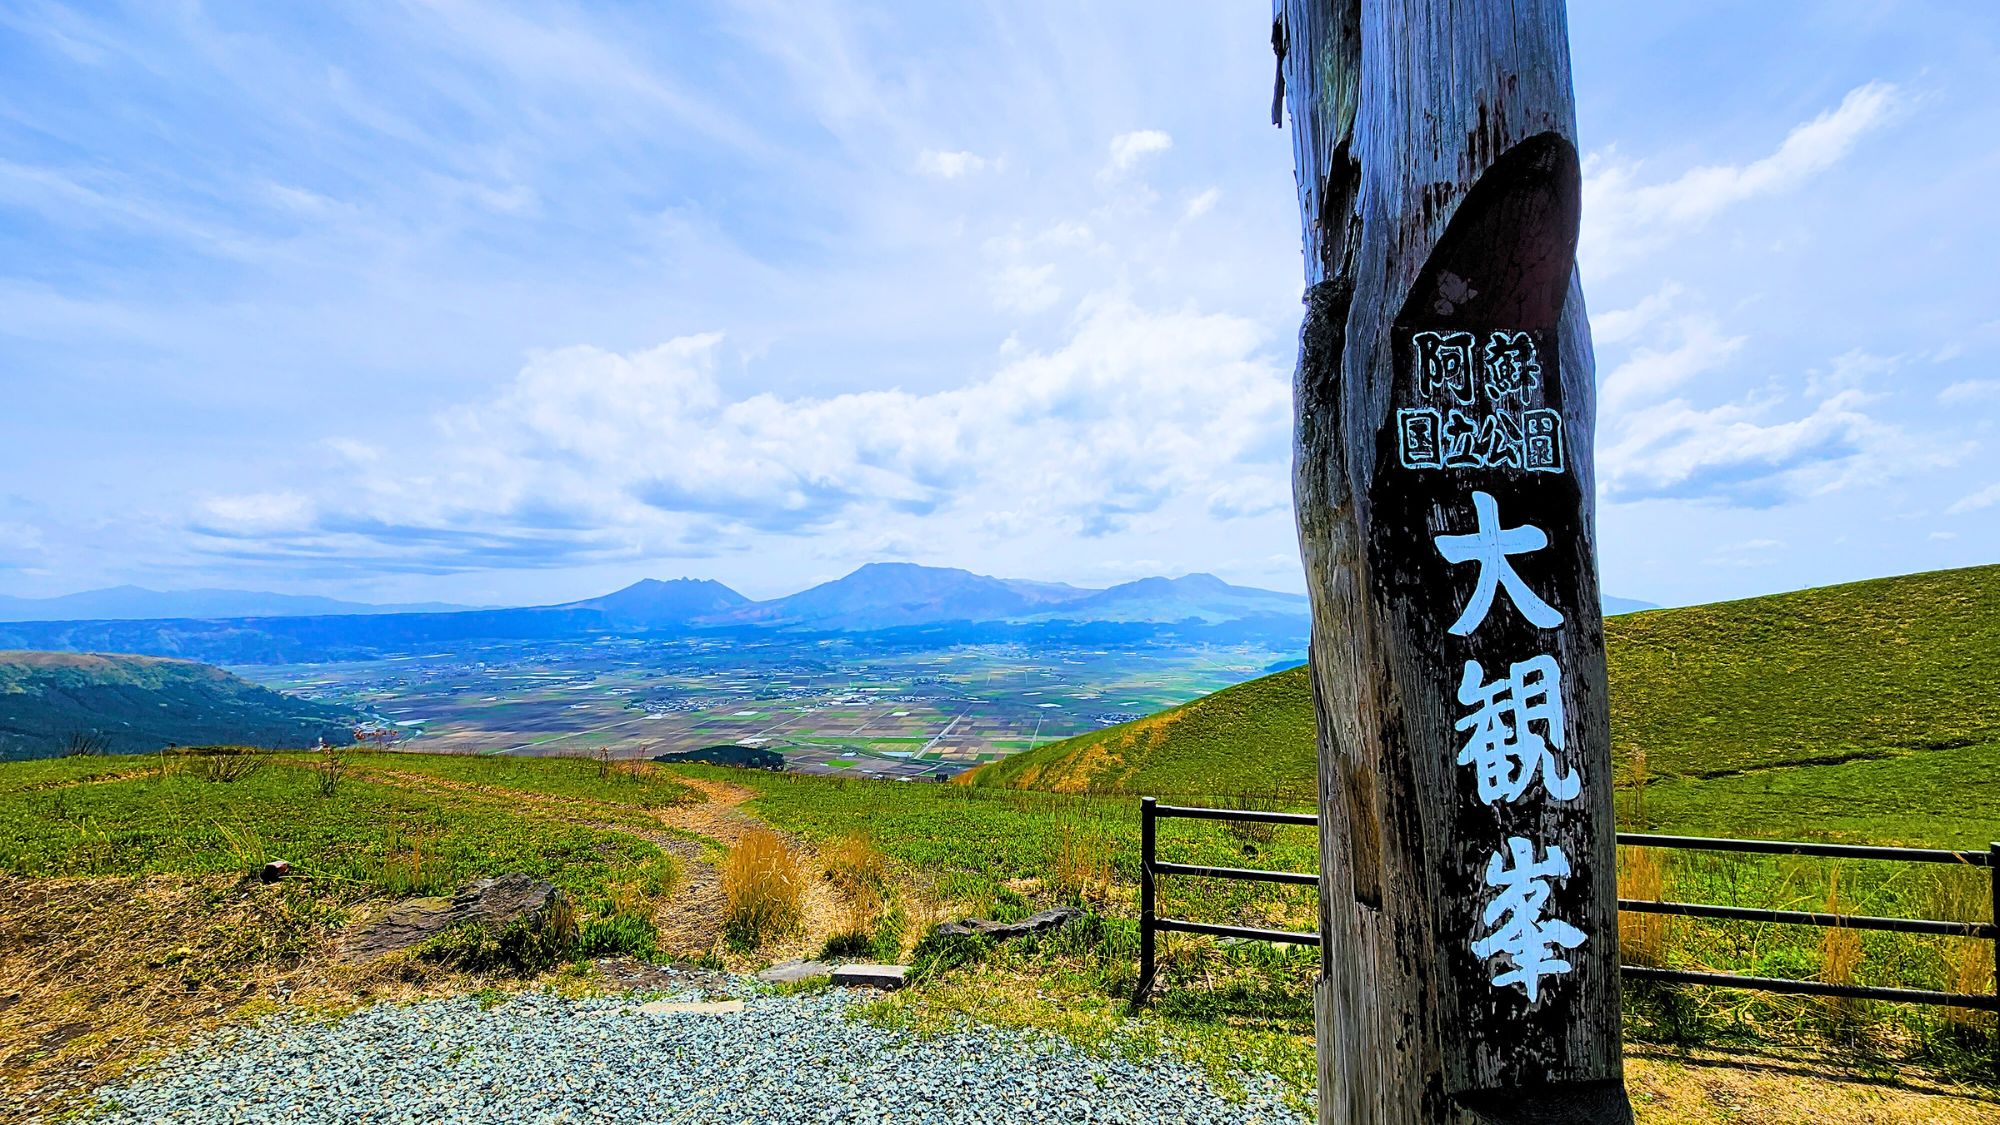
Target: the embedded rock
pixel 1000 931
pixel 492 904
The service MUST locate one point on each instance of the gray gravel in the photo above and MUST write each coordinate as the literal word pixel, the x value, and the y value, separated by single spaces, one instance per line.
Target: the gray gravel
pixel 543 1058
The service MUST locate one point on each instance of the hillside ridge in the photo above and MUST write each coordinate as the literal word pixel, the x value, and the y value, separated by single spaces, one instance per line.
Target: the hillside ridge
pixel 1704 691
pixel 141 703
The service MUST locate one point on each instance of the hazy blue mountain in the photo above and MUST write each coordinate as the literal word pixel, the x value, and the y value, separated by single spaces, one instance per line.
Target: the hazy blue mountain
pixel 1052 593
pixel 650 601
pixel 1195 597
pixel 287 640
pixel 141 703
pixel 136 603
pixel 1613 606
pixel 875 598
pixel 889 595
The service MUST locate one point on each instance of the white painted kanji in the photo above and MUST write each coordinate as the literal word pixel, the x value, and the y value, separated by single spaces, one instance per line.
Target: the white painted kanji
pixel 1489 546
pixel 1504 746
pixel 1519 931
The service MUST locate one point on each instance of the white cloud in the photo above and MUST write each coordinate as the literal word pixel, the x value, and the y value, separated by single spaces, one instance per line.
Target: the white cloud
pixel 1850 369
pixel 1978 501
pixel 1665 431
pixel 1650 372
pixel 588 451
pixel 1749 553
pixel 1202 204
pixel 1128 148
pixel 950 165
pixel 1249 495
pixel 1026 289
pixel 20 544
pixel 1620 325
pixel 1732 453
pixel 259 511
pixel 1624 218
pixel 1971 390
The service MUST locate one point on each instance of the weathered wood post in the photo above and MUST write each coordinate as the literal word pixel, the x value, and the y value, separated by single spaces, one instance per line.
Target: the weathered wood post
pixel 1443 484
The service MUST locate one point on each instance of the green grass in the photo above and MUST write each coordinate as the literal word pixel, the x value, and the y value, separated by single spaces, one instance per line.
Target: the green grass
pixel 639 784
pixel 1939 799
pixel 43 773
pixel 367 839
pixel 1251 738
pixel 1884 668
pixel 967 845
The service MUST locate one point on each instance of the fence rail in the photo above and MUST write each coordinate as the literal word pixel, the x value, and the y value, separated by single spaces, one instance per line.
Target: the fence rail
pixel 1151 925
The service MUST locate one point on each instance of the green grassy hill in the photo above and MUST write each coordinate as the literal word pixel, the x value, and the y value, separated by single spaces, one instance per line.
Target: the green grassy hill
pixel 1868 670
pixel 141 703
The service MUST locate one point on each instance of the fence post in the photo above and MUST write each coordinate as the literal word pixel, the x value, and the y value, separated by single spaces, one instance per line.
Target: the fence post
pixel 1993 876
pixel 1146 901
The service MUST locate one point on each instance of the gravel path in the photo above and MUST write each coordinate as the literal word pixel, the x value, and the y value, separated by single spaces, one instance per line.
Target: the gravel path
pixel 543 1058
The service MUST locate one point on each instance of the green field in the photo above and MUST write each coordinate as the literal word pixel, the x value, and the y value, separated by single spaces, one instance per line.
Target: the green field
pixel 154 815
pixel 1879 669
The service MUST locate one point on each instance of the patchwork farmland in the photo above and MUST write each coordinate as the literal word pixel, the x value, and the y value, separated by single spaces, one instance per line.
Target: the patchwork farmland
pixel 840 705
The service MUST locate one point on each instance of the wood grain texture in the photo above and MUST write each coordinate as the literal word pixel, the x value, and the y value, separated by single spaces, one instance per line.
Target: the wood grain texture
pixel 1438 189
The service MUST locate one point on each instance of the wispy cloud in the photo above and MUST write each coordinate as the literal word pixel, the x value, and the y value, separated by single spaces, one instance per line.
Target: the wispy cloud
pixel 1978 501
pixel 1625 217
pixel 950 165
pixel 1971 390
pixel 1127 149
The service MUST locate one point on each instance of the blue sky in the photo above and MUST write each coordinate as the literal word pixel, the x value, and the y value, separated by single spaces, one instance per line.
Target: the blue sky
pixel 498 303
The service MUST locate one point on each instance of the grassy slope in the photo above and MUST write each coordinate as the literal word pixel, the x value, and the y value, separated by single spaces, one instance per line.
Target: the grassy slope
pixel 1869 669
pixel 129 816
pixel 1254 737
pixel 141 703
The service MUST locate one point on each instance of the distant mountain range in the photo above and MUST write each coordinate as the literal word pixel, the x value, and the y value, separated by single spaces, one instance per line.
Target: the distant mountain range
pixel 894 595
pixel 876 598
pixel 136 603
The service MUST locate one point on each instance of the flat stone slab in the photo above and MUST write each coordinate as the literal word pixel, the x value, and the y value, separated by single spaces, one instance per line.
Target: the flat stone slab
pixel 693 1008
pixel 885 977
pixel 792 972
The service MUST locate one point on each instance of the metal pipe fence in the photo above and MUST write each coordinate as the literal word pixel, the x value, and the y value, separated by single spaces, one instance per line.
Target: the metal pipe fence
pixel 1151 925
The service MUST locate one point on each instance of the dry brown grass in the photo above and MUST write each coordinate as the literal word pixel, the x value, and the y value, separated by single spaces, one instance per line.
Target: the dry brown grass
pixel 1630 798
pixel 1083 864
pixel 1642 874
pixel 1968 962
pixel 410 865
pixel 764 886
pixel 1790 1086
pixel 861 875
pixel 854 866
pixel 97 972
pixel 1839 957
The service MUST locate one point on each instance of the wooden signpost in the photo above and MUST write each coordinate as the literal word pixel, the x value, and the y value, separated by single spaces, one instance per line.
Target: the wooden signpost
pixel 1444 487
